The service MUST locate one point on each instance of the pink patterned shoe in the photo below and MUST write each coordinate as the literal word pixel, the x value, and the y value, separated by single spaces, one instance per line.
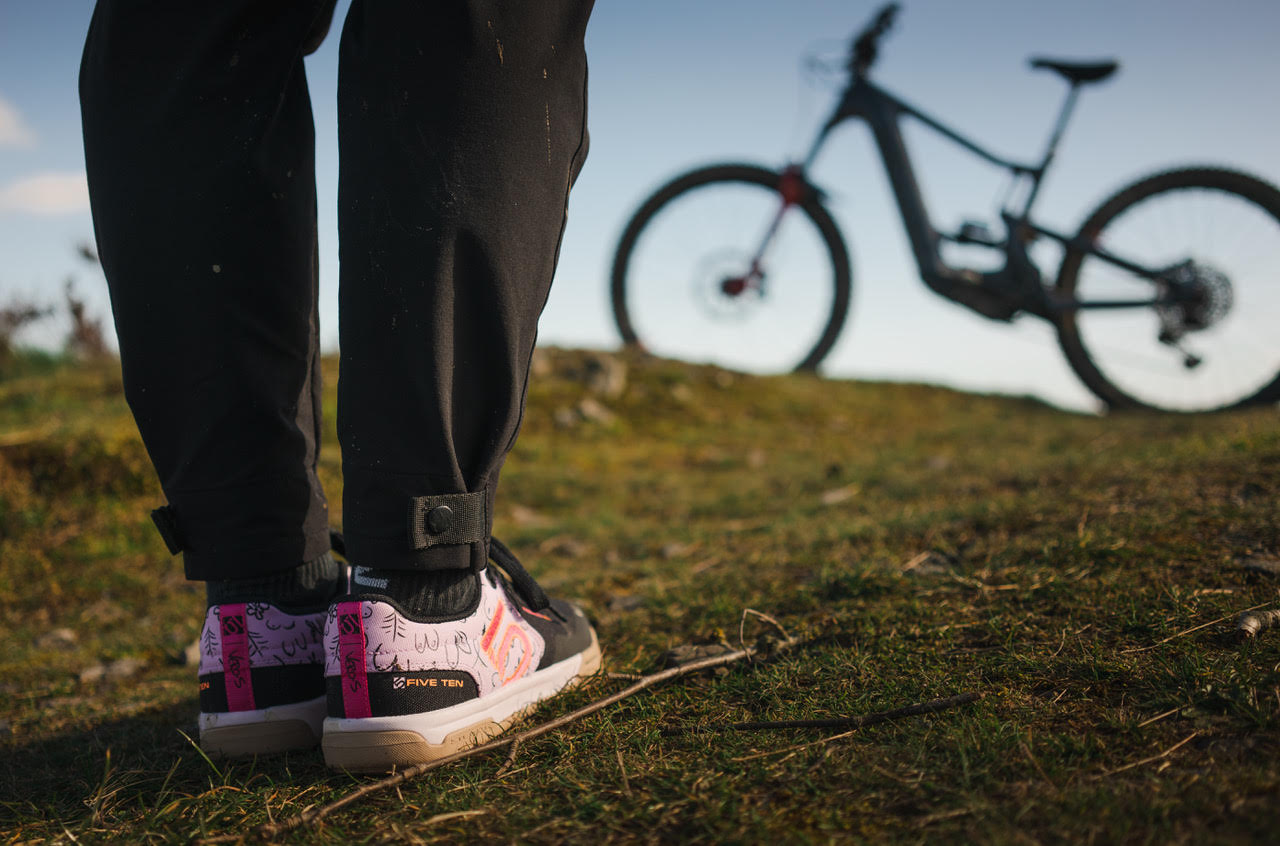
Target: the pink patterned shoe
pixel 261 680
pixel 403 691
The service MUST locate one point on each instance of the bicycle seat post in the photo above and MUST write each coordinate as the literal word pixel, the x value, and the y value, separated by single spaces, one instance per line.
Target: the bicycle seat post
pixel 1063 116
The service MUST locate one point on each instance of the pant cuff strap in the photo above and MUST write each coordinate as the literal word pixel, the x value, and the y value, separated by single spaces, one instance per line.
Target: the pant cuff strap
pixel 448 519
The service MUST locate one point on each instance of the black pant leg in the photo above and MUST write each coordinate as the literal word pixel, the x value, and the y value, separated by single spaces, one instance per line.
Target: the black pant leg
pixel 462 126
pixel 200 155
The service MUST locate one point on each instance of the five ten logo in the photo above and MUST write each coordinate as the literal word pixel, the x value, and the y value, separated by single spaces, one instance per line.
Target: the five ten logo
pixel 348 624
pixel 233 624
pixel 402 682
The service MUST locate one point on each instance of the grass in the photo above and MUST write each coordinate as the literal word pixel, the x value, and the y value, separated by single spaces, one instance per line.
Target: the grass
pixel 1046 548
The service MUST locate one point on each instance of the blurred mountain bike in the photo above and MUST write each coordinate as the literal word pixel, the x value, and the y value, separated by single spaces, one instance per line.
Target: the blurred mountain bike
pixel 1167 298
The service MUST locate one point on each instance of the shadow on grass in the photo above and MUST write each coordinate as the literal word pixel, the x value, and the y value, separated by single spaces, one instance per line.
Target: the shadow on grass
pixel 60 777
pixel 123 768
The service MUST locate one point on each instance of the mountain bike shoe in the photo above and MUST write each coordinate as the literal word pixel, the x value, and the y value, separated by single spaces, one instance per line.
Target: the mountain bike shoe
pixel 261 679
pixel 405 690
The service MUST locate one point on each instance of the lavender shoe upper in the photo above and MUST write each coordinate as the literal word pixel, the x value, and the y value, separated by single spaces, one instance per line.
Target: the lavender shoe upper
pixel 254 656
pixel 489 648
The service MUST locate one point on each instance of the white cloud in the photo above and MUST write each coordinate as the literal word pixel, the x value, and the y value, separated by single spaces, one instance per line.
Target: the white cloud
pixel 14 132
pixel 46 193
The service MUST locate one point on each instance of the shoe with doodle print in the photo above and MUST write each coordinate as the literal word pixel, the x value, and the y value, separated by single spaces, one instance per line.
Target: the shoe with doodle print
pixel 404 691
pixel 261 679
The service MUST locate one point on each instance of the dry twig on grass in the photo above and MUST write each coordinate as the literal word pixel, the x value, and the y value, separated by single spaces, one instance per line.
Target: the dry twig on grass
pixel 930 707
pixel 1250 623
pixel 622 771
pixel 1160 716
pixel 865 720
pixel 1185 632
pixel 312 815
pixel 1165 754
pixel 511 760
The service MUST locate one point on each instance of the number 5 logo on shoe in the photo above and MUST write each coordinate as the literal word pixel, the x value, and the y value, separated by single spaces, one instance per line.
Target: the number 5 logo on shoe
pixel 498 650
pixel 429 687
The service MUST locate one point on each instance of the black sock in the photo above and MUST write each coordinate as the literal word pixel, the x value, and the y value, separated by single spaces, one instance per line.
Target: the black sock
pixel 422 593
pixel 309 585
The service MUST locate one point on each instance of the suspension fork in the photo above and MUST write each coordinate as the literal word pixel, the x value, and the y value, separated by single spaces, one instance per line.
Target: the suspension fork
pixel 791 188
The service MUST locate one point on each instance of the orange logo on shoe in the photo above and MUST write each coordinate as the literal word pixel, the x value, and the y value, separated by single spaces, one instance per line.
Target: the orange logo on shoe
pixel 497 649
pixel 401 682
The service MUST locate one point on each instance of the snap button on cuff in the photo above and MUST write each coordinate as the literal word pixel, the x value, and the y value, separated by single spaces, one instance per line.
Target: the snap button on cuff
pixel 439 519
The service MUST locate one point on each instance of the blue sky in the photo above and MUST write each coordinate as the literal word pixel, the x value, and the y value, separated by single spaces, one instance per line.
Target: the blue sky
pixel 676 83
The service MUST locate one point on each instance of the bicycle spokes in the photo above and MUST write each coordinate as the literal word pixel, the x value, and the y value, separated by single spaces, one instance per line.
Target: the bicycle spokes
pixel 1207 337
pixel 722 267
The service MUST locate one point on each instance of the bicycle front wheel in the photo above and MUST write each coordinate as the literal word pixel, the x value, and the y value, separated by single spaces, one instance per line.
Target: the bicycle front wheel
pixel 1216 234
pixel 702 274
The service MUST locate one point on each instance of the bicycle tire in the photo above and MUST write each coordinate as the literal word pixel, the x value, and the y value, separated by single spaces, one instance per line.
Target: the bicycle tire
pixel 742 174
pixel 1261 197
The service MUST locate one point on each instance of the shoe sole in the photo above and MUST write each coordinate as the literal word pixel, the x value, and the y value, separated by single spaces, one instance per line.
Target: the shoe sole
pixel 380 744
pixel 269 731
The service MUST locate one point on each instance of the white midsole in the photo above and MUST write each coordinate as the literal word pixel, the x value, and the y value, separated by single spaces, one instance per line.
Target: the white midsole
pixel 311 712
pixel 502 704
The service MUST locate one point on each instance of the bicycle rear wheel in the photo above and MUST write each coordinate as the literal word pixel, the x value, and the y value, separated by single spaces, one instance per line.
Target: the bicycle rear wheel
pixel 1217 231
pixel 683 285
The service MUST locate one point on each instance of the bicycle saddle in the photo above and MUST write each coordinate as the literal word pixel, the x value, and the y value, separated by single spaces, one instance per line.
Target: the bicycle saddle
pixel 1077 72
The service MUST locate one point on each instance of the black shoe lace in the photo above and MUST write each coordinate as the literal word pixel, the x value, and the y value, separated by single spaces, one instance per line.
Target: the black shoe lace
pixel 533 595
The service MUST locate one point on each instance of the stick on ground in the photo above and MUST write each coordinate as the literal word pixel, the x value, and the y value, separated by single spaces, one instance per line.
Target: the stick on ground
pixel 932 706
pixel 1165 754
pixel 1250 624
pixel 1185 632
pixel 313 815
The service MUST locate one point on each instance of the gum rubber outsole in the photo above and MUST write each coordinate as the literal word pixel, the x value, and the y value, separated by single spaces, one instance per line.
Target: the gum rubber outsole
pixel 267 738
pixel 381 751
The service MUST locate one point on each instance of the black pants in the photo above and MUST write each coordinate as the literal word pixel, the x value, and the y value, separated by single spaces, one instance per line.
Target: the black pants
pixel 462 125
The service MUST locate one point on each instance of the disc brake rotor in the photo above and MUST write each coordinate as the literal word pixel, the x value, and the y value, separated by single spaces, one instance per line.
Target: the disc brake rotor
pixel 722 287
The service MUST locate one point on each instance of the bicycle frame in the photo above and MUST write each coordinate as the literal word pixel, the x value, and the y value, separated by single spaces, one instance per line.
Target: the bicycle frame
pixel 1018 285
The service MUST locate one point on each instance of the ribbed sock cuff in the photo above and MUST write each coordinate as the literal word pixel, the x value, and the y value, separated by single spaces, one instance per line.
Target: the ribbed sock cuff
pixel 422 594
pixel 312 584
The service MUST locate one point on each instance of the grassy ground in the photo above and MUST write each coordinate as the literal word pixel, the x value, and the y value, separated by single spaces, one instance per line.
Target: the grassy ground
pixel 1050 554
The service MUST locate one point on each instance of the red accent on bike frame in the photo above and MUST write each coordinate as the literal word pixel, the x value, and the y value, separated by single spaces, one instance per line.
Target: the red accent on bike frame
pixel 791 186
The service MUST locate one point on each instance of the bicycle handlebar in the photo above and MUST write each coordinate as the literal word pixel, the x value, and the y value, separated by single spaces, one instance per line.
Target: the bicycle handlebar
pixel 865 44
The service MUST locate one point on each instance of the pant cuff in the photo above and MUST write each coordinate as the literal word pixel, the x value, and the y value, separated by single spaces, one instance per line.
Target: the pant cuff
pixel 378 524
pixel 250 531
